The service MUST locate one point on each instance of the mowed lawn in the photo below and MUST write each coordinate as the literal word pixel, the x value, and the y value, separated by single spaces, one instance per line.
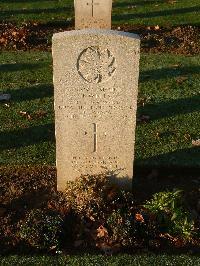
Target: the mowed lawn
pixel 143 12
pixel 168 110
pixel 99 260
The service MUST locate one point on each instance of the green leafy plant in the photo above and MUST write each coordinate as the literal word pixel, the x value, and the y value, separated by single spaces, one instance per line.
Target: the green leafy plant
pixel 41 229
pixel 171 213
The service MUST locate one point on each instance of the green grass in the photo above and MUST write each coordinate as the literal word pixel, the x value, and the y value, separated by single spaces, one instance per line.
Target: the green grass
pixel 28 77
pixel 98 260
pixel 174 110
pixel 172 104
pixel 145 12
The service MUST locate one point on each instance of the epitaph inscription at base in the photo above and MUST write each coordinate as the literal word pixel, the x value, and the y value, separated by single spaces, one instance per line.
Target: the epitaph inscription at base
pixel 94 14
pixel 96 86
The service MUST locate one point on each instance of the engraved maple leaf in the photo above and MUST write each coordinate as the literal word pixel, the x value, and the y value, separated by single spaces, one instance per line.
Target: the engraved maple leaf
pixel 96 65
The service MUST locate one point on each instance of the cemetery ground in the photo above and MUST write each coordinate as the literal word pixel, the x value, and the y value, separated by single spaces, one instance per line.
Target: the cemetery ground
pixel 167 147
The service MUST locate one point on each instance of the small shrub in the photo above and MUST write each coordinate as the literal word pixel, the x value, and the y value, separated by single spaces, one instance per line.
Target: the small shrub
pixel 170 211
pixel 41 229
pixel 88 196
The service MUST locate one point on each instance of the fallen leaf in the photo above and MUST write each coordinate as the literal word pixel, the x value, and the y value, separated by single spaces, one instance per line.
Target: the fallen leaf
pixel 182 79
pixel 196 143
pixel 175 65
pixel 3 40
pixel 171 2
pixel 139 217
pixel 25 114
pixel 102 232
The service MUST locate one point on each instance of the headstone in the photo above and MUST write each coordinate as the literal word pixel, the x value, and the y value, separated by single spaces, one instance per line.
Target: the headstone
pixel 93 14
pixel 96 86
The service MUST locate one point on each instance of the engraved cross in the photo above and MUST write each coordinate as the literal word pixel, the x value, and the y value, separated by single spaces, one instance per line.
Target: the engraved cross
pixel 95 137
pixel 92 4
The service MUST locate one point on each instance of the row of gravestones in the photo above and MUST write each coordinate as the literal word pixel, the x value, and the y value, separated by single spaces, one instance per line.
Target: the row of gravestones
pixel 96 85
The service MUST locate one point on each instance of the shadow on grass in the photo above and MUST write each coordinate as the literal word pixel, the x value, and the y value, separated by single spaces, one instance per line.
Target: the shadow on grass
pixel 188 158
pixel 31 93
pixel 163 172
pixel 169 12
pixel 171 108
pixel 20 67
pixel 28 136
pixel 168 72
pixel 138 3
pixel 7 13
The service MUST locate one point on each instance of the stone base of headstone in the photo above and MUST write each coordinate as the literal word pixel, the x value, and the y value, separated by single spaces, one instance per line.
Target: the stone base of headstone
pixel 96 86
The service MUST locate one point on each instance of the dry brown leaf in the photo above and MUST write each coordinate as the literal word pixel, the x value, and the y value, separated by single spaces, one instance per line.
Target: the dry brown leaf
pixel 25 114
pixel 156 27
pixel 102 232
pixel 3 40
pixel 182 79
pixel 196 143
pixel 139 217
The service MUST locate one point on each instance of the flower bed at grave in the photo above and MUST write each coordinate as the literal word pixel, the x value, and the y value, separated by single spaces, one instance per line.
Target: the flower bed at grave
pixel 90 214
pixel 37 36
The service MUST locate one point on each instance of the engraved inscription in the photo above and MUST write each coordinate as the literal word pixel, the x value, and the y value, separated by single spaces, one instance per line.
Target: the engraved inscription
pixel 95 65
pixel 104 163
pixel 94 23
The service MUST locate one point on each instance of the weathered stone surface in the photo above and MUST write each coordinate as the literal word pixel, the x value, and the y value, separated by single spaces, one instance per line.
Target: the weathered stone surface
pixel 94 14
pixel 96 86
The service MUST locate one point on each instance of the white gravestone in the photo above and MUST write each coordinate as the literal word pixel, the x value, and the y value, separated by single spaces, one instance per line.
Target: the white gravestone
pixel 96 86
pixel 93 14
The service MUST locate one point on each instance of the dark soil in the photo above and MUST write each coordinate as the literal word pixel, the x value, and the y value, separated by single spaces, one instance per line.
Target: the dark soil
pixel 33 36
pixel 26 185
pixel 26 188
pixel 30 187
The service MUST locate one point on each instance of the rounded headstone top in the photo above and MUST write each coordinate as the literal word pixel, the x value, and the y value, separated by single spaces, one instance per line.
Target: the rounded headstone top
pixel 94 32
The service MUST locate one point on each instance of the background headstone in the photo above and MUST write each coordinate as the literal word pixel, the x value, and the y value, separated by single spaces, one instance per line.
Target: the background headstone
pixel 96 86
pixel 93 14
